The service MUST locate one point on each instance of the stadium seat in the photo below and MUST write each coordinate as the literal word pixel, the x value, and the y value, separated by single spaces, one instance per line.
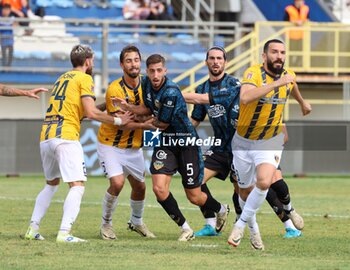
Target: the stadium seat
pixel 181 57
pixel 44 3
pixel 21 55
pixel 118 3
pixel 104 4
pixel 40 55
pixel 63 3
pixel 198 56
pixel 82 3
pixel 62 56
pixel 187 39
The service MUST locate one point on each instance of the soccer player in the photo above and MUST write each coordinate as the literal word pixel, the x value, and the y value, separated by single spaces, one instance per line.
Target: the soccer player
pixel 11 92
pixel 221 95
pixel 164 100
pixel 219 98
pixel 119 149
pixel 257 145
pixel 62 155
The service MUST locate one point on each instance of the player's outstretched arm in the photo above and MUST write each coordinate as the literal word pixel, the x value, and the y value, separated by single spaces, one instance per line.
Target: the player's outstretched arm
pixel 102 107
pixel 250 93
pixel 195 98
pixel 159 124
pixel 135 109
pixel 11 92
pixel 91 112
pixel 304 105
pixel 139 123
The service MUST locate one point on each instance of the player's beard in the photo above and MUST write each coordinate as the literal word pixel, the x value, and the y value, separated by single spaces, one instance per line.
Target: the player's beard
pixel 217 73
pixel 89 70
pixel 134 74
pixel 273 69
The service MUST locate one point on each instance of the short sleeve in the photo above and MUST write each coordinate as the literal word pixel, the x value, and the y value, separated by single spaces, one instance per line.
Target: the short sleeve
pixel 87 87
pixel 168 105
pixel 251 76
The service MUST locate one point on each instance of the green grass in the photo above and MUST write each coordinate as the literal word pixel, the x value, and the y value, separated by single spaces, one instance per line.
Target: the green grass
pixel 323 201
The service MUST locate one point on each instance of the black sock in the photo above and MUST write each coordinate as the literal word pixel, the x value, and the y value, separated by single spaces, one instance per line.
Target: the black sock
pixel 206 212
pixel 171 207
pixel 211 205
pixel 282 191
pixel 235 200
pixel 276 205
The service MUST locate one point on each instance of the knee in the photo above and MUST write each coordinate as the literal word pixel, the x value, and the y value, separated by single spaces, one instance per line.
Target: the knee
pixel 115 187
pixel 263 185
pixel 161 192
pixel 195 200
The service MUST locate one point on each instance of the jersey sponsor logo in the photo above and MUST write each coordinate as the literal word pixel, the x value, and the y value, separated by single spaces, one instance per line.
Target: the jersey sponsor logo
pixel 148 97
pixel 235 108
pixel 209 153
pixel 161 154
pixel 158 165
pixel 273 100
pixel 216 111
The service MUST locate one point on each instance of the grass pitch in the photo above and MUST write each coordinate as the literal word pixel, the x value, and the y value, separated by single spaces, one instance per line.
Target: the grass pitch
pixel 323 201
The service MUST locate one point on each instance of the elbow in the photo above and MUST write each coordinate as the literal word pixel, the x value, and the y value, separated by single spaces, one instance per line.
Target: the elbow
pixel 244 100
pixel 90 115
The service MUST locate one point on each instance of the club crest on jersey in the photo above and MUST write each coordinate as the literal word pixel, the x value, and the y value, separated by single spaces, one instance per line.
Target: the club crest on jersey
pixel 158 165
pixel 249 75
pixel 156 103
pixel 277 159
pixel 161 154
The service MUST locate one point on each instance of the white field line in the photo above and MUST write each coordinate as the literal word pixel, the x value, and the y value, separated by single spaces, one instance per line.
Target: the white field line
pixel 157 206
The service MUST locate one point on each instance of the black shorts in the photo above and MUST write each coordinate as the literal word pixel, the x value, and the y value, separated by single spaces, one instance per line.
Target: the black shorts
pixel 187 161
pixel 220 162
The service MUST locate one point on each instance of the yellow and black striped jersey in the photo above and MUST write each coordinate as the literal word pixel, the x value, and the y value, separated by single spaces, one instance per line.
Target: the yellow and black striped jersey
pixel 110 134
pixel 65 110
pixel 262 119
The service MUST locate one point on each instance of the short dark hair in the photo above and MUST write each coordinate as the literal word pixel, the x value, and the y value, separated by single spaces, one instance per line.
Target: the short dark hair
pixel 216 48
pixel 266 45
pixel 127 49
pixel 155 59
pixel 6 6
pixel 79 54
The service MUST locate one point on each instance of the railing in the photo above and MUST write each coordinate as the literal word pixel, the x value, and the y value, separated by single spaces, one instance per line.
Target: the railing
pixel 57 35
pixel 325 51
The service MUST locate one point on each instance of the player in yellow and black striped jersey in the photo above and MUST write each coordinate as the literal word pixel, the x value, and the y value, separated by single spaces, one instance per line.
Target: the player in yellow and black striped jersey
pixel 257 145
pixel 112 135
pixel 119 150
pixel 262 119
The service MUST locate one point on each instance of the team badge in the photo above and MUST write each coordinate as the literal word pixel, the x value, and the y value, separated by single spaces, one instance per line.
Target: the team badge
pixel 158 165
pixel 249 75
pixel 156 103
pixel 277 159
pixel 161 154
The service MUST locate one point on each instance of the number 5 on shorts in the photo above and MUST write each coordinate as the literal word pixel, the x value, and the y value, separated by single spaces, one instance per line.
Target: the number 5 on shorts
pixel 189 168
